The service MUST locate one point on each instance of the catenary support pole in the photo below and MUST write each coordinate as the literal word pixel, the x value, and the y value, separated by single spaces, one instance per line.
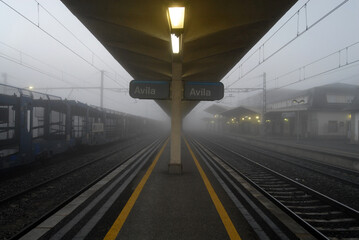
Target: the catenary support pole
pixel 102 79
pixel 175 165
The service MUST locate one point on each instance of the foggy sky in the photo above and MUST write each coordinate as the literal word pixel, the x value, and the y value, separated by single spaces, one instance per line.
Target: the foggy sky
pixel 333 33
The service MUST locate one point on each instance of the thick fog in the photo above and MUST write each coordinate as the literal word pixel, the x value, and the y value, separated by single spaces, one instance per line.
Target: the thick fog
pixel 294 57
pixel 30 56
pixel 322 31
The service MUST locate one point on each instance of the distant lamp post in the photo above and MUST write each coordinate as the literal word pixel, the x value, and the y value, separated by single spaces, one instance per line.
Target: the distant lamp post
pixel 176 22
pixel 298 102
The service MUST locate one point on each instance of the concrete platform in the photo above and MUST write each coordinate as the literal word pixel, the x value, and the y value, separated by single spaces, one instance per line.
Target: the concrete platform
pixel 154 205
pixel 179 206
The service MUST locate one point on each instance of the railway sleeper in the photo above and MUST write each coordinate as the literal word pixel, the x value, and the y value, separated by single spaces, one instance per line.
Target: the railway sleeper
pixel 294 197
pixel 300 202
pixel 271 186
pixel 290 193
pixel 354 231
pixel 333 223
pixel 329 213
pixel 287 189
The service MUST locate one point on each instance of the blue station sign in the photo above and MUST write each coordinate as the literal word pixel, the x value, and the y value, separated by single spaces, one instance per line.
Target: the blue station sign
pixel 203 91
pixel 150 89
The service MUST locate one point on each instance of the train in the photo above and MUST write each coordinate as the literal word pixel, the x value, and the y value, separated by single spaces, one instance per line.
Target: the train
pixel 36 126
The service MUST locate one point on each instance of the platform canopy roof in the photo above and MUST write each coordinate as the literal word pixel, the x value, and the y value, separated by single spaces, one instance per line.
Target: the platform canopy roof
pixel 238 111
pixel 215 109
pixel 217 34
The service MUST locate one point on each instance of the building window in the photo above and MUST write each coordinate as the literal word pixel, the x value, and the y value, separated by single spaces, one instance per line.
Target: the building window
pixel 332 126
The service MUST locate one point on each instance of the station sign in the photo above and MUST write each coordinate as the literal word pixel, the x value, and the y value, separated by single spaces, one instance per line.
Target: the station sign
pixel 203 91
pixel 150 89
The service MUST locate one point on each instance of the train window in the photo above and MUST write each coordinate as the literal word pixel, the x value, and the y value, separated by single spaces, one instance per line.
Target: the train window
pixel 4 115
pixel 38 122
pixel 7 122
pixel 78 126
pixel 57 123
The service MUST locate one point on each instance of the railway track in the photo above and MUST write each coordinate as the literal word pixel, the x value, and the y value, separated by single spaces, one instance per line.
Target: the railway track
pixel 41 189
pixel 344 175
pixel 320 215
pixel 30 189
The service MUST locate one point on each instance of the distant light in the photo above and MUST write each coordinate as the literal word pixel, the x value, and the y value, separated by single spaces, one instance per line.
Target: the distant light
pixel 176 15
pixel 258 121
pixel 349 116
pixel 257 117
pixel 212 122
pixel 242 118
pixel 175 43
pixel 286 120
pixel 31 87
pixel 249 118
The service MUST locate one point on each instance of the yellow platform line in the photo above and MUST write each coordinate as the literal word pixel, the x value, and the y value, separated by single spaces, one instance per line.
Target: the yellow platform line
pixel 227 222
pixel 117 225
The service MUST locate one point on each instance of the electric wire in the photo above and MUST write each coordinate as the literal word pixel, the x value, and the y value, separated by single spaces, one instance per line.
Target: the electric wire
pixel 54 38
pixel 40 61
pixel 286 44
pixel 318 60
pixel 317 75
pixel 47 33
pixel 78 39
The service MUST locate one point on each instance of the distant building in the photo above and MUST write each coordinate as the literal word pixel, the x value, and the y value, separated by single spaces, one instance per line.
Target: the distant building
pixel 319 112
pixel 215 123
pixel 329 111
pixel 242 120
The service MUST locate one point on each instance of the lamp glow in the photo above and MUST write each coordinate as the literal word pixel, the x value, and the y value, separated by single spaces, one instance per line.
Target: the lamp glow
pixel 31 87
pixel 176 17
pixel 175 43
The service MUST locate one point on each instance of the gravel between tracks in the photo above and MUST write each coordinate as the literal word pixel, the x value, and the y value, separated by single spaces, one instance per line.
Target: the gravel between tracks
pixel 17 214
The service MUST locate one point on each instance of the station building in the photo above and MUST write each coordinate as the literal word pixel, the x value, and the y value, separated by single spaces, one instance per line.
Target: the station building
pixel 319 112
pixel 324 112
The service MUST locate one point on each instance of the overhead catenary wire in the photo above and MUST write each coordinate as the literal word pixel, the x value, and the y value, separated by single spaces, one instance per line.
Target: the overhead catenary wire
pixel 316 75
pixel 53 37
pixel 347 63
pixel 22 53
pixel 240 65
pixel 77 38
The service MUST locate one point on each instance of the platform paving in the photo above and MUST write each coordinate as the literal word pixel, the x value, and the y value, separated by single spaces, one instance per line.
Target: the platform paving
pixel 175 206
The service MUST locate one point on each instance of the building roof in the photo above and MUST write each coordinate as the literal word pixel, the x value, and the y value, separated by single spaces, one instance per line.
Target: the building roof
pixel 215 109
pixel 238 111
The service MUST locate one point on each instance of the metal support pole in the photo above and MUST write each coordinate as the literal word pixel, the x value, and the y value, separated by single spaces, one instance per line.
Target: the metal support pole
pixel 264 110
pixel 4 75
pixel 298 126
pixel 175 165
pixel 101 101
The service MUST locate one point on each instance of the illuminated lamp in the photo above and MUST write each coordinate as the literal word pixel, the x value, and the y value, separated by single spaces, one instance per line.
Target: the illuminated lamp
pixel 176 17
pixel 175 43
